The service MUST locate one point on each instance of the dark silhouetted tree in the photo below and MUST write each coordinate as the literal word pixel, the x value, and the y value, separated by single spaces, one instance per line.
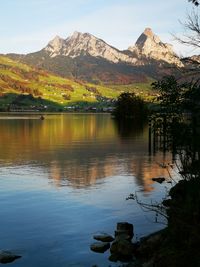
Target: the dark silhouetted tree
pixel 177 96
pixel 195 2
pixel 191 37
pixel 129 106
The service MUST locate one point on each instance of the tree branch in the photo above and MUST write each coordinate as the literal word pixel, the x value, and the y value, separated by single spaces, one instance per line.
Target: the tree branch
pixel 192 31
pixel 195 2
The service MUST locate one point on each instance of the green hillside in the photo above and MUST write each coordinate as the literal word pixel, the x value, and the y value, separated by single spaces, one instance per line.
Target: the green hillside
pixel 22 85
pixel 28 88
pixel 144 90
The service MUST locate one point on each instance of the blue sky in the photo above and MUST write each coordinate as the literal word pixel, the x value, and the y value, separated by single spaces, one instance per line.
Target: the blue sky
pixel 28 25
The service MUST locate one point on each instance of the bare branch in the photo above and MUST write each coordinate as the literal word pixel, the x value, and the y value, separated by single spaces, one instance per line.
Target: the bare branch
pixel 192 31
pixel 195 2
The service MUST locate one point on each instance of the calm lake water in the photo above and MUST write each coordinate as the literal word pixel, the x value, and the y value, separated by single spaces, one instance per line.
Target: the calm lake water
pixel 66 178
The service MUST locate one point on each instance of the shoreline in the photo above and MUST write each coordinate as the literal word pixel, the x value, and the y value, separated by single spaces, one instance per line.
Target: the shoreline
pixel 51 113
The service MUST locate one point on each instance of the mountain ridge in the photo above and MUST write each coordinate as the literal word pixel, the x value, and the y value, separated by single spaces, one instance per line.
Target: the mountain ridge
pixel 147 45
pixel 86 57
pixel 85 44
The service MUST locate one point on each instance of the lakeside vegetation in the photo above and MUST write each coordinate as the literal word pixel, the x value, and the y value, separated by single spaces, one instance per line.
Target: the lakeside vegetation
pixel 176 126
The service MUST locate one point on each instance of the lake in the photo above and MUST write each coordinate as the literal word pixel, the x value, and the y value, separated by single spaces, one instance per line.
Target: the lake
pixel 65 178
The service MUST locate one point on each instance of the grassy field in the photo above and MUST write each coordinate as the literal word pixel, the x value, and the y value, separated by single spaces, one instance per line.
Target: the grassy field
pixel 142 89
pixel 23 85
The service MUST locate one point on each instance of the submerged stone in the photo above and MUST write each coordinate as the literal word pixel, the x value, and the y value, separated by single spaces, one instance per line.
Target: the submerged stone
pixel 125 230
pixel 122 235
pixel 122 249
pixel 7 256
pixel 100 247
pixel 103 237
pixel 159 180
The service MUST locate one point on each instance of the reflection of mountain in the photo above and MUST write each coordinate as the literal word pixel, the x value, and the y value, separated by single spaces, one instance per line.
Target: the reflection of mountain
pixel 76 149
pixel 148 170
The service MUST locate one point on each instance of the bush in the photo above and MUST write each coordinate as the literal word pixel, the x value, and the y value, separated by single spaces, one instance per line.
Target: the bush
pixel 129 106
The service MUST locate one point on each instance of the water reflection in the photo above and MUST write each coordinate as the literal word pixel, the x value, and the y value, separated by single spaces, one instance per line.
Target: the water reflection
pixel 78 149
pixel 130 128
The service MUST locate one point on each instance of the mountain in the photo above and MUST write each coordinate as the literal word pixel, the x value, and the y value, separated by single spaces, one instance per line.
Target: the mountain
pixel 22 85
pixel 149 46
pixel 83 44
pixel 89 58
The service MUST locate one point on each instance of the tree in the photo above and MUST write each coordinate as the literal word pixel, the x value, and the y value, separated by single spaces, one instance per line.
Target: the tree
pixel 169 93
pixel 192 31
pixel 129 106
pixel 196 2
pixel 191 97
pixel 177 96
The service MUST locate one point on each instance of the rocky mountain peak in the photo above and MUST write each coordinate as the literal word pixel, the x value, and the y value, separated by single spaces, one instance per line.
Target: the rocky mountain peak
pixel 148 32
pixel 81 40
pixel 148 39
pixel 79 35
pixel 80 44
pixel 55 46
pixel 75 34
pixel 150 46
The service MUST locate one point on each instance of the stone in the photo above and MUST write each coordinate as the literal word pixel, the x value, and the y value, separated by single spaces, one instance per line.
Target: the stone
pixel 123 249
pixel 113 257
pixel 7 256
pixel 103 237
pixel 125 226
pixel 124 229
pixel 100 247
pixel 150 244
pixel 159 180
pixel 122 235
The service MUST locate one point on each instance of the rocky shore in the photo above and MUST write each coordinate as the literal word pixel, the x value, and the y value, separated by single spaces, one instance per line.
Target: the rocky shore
pixel 175 246
pixel 7 256
pixel 124 250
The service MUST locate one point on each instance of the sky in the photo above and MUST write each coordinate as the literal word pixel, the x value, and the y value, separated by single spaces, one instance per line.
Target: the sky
pixel 28 25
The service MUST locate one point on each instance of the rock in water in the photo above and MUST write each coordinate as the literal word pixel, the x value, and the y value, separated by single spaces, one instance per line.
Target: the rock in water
pixel 103 237
pixel 100 247
pixel 124 229
pixel 7 256
pixel 159 180
pixel 122 249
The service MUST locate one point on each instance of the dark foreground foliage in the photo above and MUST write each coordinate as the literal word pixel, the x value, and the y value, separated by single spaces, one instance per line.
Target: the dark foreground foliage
pixel 129 106
pixel 178 121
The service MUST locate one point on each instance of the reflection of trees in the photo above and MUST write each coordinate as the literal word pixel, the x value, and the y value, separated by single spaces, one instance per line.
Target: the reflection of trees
pixel 76 149
pixel 130 128
pixel 34 134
